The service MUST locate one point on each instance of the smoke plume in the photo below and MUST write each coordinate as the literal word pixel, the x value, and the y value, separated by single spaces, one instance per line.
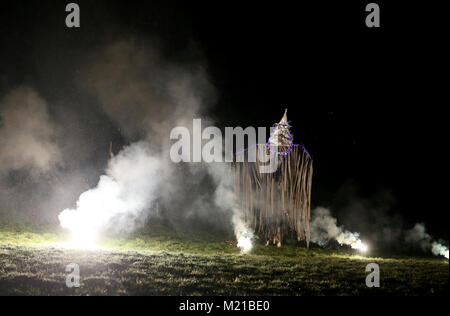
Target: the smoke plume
pixel 122 194
pixel 147 96
pixel 225 199
pixel 27 135
pixel 324 228
pixel 439 250
pixel 418 237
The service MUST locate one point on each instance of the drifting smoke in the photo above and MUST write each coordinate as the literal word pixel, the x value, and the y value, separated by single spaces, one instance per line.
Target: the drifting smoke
pixel 145 94
pixel 226 199
pixel 418 236
pixel 162 96
pixel 244 234
pixel 30 158
pixel 27 136
pixel 122 194
pixel 324 228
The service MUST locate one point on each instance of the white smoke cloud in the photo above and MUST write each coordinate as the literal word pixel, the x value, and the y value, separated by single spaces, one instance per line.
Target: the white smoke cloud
pixel 439 250
pixel 226 199
pixel 418 236
pixel 324 228
pixel 27 135
pixel 244 234
pixel 146 96
pixel 124 192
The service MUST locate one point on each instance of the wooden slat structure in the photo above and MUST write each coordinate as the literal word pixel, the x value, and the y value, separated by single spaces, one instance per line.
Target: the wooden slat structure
pixel 277 205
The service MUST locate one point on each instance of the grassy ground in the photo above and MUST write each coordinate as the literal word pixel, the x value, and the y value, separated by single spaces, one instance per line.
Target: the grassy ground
pixel 33 263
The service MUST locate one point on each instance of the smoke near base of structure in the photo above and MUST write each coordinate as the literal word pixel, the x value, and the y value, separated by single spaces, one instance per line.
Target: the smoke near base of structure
pixel 324 228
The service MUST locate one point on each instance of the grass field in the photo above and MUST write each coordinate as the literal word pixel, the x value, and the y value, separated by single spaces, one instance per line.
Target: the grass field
pixel 34 263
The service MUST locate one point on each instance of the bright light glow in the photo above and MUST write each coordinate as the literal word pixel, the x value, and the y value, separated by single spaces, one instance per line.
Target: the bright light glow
pixel 126 190
pixel 82 228
pixel 446 254
pixel 245 243
pixel 83 240
pixel 244 235
pixel 359 245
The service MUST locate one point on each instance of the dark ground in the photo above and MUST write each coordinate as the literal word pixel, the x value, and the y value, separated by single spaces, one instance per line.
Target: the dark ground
pixel 34 264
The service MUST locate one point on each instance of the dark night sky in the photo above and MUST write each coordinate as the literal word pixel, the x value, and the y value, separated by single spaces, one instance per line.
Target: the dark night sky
pixel 361 100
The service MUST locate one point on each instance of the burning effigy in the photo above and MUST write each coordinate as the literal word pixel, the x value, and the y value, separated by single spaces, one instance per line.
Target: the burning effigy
pixel 277 205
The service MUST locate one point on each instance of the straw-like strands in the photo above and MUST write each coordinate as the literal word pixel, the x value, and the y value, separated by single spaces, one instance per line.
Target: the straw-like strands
pixel 277 204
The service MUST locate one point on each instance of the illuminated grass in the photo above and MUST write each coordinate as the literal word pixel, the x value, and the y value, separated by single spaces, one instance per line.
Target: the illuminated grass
pixel 165 264
pixel 21 237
